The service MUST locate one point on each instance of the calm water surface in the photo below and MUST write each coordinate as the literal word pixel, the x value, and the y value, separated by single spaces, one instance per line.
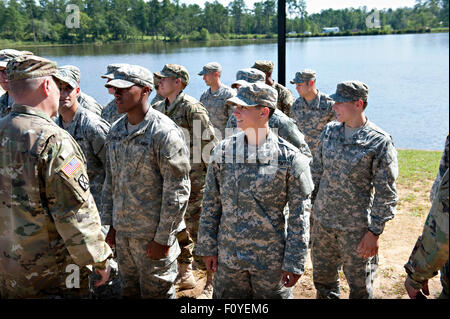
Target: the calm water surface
pixel 408 75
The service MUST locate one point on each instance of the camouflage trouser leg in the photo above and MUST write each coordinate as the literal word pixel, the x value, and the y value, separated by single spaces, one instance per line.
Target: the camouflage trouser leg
pixel 244 284
pixel 444 281
pixel 332 249
pixel 192 218
pixel 186 245
pixel 141 276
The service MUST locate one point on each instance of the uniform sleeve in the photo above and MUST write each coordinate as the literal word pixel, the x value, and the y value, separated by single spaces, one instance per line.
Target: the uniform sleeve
pixel 443 166
pixel 431 250
pixel 107 192
pixel 385 172
pixel 317 166
pixel 173 161
pixel 287 100
pixel 70 202
pixel 99 140
pixel 299 188
pixel 295 137
pixel 211 212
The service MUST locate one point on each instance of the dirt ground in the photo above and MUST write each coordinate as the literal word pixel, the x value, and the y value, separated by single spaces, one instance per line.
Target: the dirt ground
pixel 396 244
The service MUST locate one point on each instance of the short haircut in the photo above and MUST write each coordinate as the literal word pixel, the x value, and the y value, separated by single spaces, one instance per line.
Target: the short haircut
pixel 26 85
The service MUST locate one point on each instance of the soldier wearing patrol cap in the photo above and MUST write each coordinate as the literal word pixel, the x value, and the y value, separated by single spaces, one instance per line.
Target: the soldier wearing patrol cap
pixel 48 217
pixel 214 98
pixel 84 100
pixel 283 125
pixel 109 112
pixel 312 110
pixel 89 130
pixel 189 114
pixel 248 75
pixel 146 188
pixel 255 250
pixel 354 172
pixel 6 101
pixel 285 97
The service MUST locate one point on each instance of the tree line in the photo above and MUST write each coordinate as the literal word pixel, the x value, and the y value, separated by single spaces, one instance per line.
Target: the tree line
pixel 109 20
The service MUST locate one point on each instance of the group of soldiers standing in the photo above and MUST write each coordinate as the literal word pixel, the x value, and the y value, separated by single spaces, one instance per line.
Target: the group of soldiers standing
pixel 239 184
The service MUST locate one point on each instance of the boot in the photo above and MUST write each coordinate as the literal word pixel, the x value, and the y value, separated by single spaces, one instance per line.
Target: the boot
pixel 207 292
pixel 186 279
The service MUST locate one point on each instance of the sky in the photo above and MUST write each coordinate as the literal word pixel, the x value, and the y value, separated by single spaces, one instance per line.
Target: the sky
pixel 315 6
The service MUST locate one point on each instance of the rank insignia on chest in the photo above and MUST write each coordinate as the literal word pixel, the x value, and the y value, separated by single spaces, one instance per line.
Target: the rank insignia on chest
pixel 71 167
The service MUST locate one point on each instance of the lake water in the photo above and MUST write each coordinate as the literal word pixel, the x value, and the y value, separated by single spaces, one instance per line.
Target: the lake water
pixel 408 75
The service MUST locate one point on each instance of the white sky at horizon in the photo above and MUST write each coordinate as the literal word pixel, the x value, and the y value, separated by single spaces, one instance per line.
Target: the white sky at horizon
pixel 315 6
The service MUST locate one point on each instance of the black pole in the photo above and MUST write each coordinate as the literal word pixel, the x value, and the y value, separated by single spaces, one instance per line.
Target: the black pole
pixel 282 42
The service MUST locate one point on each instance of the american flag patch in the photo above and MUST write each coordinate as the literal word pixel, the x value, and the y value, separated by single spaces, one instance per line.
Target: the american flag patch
pixel 71 167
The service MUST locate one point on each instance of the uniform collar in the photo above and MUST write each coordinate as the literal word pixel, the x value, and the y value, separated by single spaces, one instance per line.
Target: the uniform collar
pixel 26 109
pixel 122 131
pixel 360 137
pixel 264 153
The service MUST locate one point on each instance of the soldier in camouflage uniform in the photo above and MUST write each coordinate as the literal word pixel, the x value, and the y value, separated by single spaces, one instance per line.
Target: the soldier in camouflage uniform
pixel 431 249
pixel 48 218
pixel 312 110
pixel 6 101
pixel 84 100
pixel 214 98
pixel 89 130
pixel 192 117
pixel 281 124
pixel 354 171
pixel 109 112
pixel 158 97
pixel 256 250
pixel 285 97
pixel 146 189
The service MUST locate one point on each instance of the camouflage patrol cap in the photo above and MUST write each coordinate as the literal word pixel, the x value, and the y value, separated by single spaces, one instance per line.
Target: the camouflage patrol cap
pixel 30 66
pixel 303 76
pixel 69 74
pixel 248 75
pixel 211 67
pixel 174 71
pixel 110 69
pixel 264 66
pixel 7 55
pixel 254 94
pixel 129 75
pixel 351 91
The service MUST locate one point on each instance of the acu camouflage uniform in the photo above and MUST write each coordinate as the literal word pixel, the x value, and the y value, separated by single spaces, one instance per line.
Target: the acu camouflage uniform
pixel 48 217
pixel 431 250
pixel 243 222
pixel 432 246
pixel 145 197
pixel 311 117
pixel 109 112
pixel 218 110
pixel 89 103
pixel 185 111
pixel 355 186
pixel 156 99
pixel 6 103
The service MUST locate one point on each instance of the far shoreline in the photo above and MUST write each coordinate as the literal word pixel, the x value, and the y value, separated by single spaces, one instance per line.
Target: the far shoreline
pixel 217 38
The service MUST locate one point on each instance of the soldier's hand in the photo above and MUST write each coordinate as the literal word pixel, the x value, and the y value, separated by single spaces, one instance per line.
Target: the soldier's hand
pixel 157 251
pixel 414 293
pixel 104 274
pixel 111 237
pixel 289 279
pixel 368 247
pixel 210 263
